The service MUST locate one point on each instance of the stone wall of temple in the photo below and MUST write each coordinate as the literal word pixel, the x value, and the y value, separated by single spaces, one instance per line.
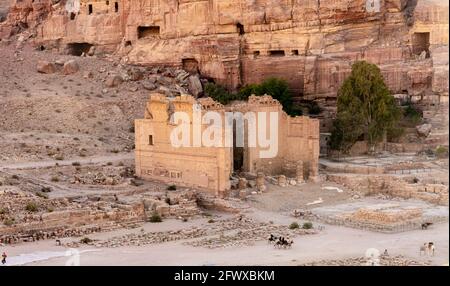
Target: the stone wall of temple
pixel 296 142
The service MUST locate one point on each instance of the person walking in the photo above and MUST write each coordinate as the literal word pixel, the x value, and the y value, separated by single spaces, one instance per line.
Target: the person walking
pixel 4 256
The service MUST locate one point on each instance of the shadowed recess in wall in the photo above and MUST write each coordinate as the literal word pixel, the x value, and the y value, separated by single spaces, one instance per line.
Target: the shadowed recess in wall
pixel 77 49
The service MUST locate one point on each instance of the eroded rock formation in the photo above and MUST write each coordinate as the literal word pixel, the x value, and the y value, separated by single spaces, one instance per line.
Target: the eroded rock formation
pixel 310 43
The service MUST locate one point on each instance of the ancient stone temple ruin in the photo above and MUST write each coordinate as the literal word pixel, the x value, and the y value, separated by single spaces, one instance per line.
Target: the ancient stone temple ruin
pixel 210 168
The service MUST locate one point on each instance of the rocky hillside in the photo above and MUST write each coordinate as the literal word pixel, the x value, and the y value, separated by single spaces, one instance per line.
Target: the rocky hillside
pixel 311 44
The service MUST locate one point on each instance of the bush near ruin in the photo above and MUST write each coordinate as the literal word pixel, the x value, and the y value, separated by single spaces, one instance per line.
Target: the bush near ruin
pixel 155 218
pixel 441 152
pixel 277 88
pixel 32 207
pixel 365 109
pixel 219 93
pixel 307 225
pixel 172 188
pixel 294 225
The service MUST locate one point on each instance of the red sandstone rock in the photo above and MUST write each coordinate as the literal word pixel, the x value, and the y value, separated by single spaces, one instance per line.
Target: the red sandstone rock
pixel 46 67
pixel 70 67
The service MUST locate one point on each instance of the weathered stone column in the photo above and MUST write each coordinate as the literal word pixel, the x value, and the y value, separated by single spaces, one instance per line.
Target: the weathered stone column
pixel 243 194
pixel 299 173
pixel 314 171
pixel 242 183
pixel 282 182
pixel 261 182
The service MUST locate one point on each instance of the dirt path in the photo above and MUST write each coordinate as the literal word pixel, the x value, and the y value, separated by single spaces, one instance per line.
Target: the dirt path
pixel 332 243
pixel 51 163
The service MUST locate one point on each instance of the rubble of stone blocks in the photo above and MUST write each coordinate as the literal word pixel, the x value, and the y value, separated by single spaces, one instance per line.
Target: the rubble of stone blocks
pixel 392 186
pixel 211 202
pixel 385 219
pixel 211 235
pixel 385 215
pixel 384 260
pixel 245 184
pixel 178 204
pixel 27 217
pixel 248 235
pixel 102 176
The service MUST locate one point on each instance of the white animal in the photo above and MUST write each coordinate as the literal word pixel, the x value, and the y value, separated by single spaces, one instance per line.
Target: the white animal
pixel 431 248
pixel 333 189
pixel 428 249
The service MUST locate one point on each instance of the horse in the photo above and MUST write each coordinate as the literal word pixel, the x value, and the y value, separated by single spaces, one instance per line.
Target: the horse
pixel 289 242
pixel 272 238
pixel 284 243
pixel 426 225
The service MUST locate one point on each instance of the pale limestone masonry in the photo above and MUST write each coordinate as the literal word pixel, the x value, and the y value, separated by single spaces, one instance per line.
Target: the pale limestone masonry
pixel 393 186
pixel 210 167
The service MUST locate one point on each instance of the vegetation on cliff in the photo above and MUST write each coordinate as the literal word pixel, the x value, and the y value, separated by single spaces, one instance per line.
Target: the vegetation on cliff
pixel 277 88
pixel 365 109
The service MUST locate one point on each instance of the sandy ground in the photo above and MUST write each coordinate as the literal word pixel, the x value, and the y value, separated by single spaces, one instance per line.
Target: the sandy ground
pixel 332 243
pixel 51 163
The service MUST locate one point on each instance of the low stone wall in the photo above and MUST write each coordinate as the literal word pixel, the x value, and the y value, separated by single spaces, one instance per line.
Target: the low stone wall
pixel 80 222
pixel 401 226
pixel 218 204
pixel 389 185
pixel 72 223
pixel 385 217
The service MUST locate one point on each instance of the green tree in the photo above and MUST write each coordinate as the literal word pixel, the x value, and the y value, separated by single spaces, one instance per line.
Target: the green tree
pixel 365 108
pixel 277 88
pixel 218 93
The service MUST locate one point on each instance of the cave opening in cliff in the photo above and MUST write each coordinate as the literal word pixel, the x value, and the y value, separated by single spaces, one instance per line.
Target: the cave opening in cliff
pixel 190 65
pixel 77 49
pixel 116 7
pixel 3 16
pixel 421 43
pixel 90 9
pixel 148 31
pixel 72 16
pixel 277 53
pixel 240 29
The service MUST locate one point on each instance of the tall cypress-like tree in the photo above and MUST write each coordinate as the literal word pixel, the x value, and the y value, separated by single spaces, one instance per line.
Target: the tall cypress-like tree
pixel 365 107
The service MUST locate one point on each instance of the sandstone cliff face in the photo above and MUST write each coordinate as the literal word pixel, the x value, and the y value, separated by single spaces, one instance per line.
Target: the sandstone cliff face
pixel 310 43
pixel 4 8
pixel 24 14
